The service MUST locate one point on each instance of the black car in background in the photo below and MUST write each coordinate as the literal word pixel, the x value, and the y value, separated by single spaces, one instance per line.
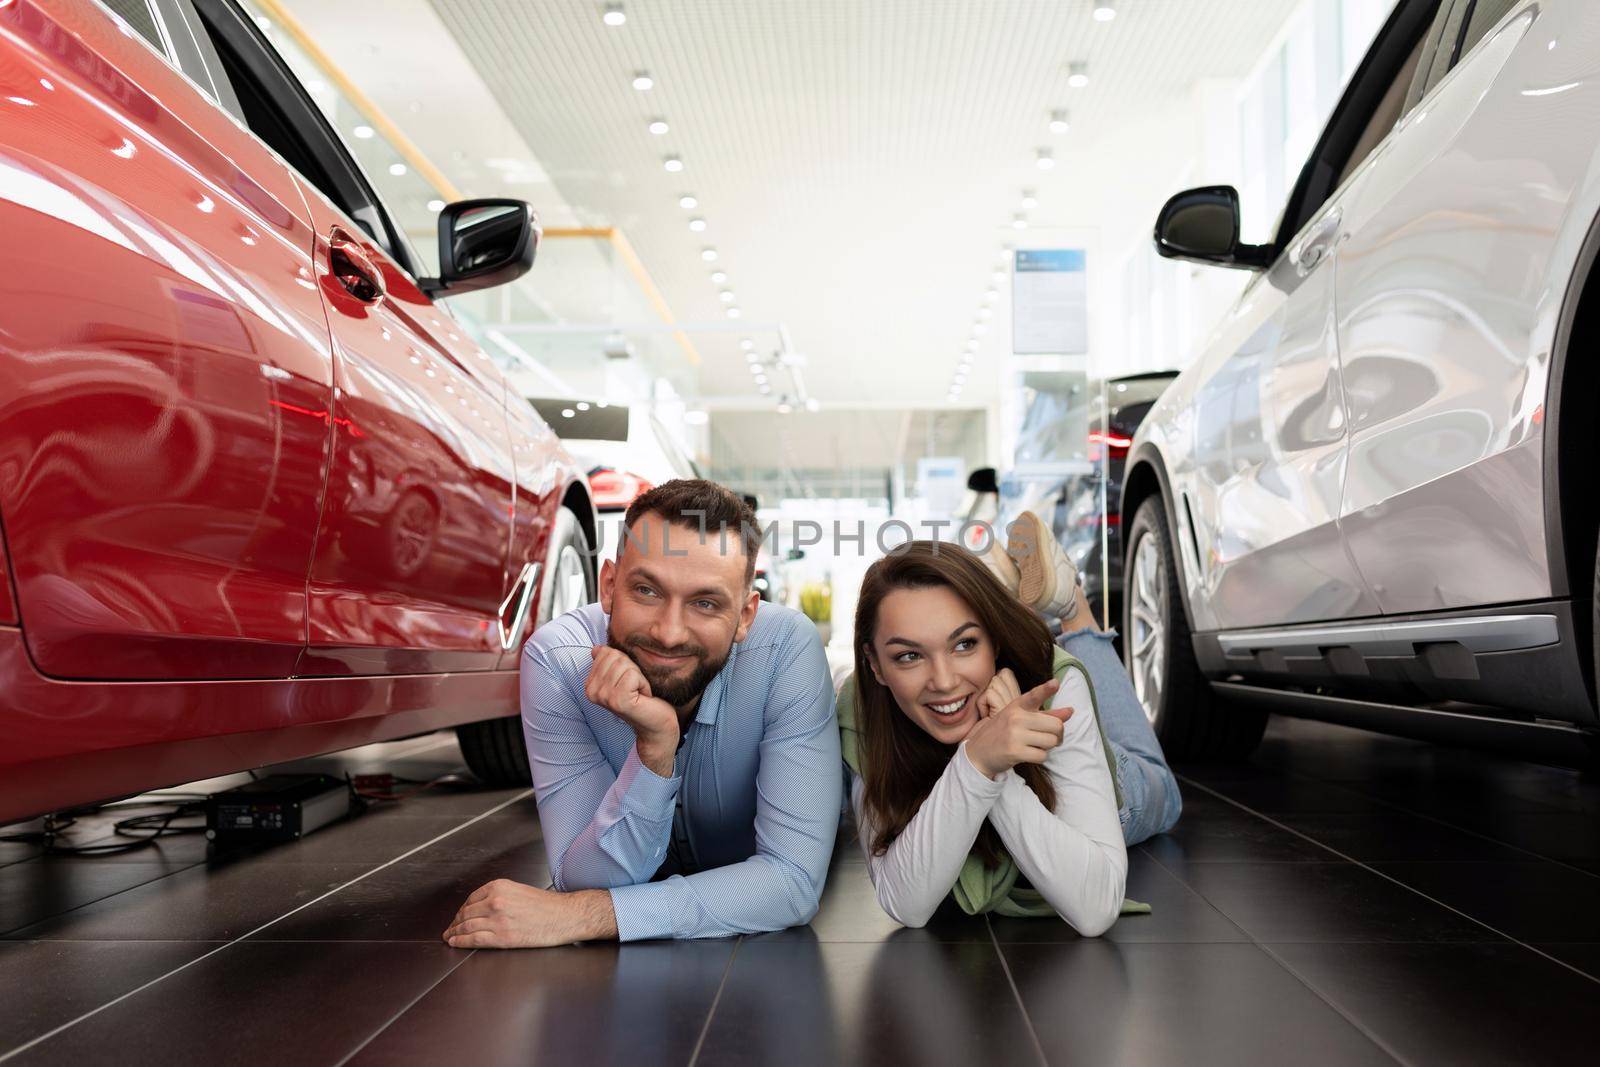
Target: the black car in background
pixel 1079 510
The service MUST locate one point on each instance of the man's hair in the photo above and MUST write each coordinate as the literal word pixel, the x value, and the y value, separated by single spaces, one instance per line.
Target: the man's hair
pixel 703 507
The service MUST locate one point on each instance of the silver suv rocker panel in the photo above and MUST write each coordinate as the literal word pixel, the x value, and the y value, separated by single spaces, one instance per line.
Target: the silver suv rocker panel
pixel 1485 633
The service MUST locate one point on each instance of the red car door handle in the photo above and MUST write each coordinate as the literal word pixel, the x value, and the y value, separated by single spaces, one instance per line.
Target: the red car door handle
pixel 358 274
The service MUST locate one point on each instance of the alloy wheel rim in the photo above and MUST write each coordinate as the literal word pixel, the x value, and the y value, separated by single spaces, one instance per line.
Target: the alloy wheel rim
pixel 571 589
pixel 1147 642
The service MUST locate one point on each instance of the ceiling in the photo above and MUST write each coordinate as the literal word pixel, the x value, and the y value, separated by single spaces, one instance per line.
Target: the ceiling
pixel 858 163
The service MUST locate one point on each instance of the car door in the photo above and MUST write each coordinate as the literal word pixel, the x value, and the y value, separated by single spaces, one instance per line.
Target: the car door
pixel 162 351
pixel 1271 427
pixel 410 566
pixel 1441 291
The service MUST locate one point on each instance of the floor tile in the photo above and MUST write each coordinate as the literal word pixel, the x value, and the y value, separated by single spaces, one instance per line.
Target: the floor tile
pixel 900 1001
pixel 1459 1004
pixel 48 983
pixel 1273 793
pixel 1324 902
pixel 1584 955
pixel 1177 913
pixel 216 903
pixel 269 1003
pixel 1102 1003
pixel 581 1004
pixel 1532 901
pixel 1396 836
pixel 850 912
pixel 41 889
pixel 1566 837
pixel 1230 837
pixel 404 902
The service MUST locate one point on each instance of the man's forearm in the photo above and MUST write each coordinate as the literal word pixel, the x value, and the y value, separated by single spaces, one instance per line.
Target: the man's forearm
pixel 593 917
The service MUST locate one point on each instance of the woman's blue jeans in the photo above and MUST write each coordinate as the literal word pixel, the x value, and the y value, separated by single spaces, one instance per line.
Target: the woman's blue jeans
pixel 1150 801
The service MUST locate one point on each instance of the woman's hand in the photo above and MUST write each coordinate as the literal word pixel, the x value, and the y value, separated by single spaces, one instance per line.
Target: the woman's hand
pixel 1000 692
pixel 1020 732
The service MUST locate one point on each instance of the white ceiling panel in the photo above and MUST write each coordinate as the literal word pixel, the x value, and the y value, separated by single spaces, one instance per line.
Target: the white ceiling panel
pixel 857 161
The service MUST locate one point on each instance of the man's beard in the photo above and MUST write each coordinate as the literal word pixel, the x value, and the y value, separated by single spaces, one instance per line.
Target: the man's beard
pixel 665 684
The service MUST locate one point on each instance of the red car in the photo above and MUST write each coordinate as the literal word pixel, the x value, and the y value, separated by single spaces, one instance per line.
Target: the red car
pixel 261 497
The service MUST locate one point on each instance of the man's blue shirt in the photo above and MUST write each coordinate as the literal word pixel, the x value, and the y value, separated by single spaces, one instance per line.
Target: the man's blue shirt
pixel 757 776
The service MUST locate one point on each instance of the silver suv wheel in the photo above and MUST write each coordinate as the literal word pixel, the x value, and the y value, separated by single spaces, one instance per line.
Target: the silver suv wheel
pixel 1147 643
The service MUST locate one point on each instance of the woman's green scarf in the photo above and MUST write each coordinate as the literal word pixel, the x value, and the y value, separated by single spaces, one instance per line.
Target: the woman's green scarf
pixel 981 889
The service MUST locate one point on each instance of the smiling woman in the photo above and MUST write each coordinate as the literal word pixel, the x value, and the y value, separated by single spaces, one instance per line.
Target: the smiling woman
pixel 969 775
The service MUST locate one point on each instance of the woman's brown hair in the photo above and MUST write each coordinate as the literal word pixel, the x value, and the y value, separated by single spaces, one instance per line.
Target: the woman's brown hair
pixel 900 762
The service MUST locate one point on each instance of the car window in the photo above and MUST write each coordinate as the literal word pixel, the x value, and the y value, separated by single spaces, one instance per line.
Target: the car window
pixel 403 193
pixel 141 18
pixel 1441 40
pixel 1485 16
pixel 1371 105
pixel 276 108
pixel 1389 110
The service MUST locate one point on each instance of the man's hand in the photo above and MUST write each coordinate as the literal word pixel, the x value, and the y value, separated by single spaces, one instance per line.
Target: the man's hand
pixel 507 914
pixel 1020 732
pixel 616 684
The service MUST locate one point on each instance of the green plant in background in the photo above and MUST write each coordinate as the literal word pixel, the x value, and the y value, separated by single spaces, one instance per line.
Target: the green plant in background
pixel 816 601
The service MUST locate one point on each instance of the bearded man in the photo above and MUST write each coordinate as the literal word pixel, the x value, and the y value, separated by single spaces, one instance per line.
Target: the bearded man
pixel 683 744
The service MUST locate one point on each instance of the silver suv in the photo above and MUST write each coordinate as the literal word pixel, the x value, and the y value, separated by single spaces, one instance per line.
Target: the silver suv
pixel 1371 499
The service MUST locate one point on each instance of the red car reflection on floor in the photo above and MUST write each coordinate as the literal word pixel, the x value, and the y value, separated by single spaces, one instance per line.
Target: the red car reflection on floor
pixel 261 497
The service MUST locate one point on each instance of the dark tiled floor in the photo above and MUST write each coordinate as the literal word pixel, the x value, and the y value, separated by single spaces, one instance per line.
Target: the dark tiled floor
pixel 1343 898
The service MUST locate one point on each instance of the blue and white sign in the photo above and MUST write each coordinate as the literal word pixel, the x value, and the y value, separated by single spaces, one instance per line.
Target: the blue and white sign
pixel 1049 302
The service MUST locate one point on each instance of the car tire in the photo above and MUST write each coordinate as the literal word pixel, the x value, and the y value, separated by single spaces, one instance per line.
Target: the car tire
pixel 1190 721
pixel 494 751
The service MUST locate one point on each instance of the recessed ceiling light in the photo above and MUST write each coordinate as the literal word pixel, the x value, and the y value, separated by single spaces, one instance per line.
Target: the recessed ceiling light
pixel 435 205
pixel 673 164
pixel 614 15
pixel 583 405
pixel 1043 158
pixel 726 296
pixel 363 132
pixel 980 329
pixel 696 417
pixel 998 276
pixel 766 390
pixel 747 344
pixel 688 202
pixel 708 254
pixel 697 224
pixel 1030 200
pixel 753 359
pixel 733 313
pixel 1019 222
pixel 1077 75
pixel 813 404
pixel 658 126
pixel 397 169
pixel 642 81
pixel 991 295
pixel 567 413
pixel 719 276
pixel 1104 11
pixel 986 313
pixel 784 407
pixel 1060 121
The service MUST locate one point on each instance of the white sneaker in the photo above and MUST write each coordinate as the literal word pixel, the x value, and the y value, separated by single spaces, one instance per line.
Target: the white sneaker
pixel 1048 581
